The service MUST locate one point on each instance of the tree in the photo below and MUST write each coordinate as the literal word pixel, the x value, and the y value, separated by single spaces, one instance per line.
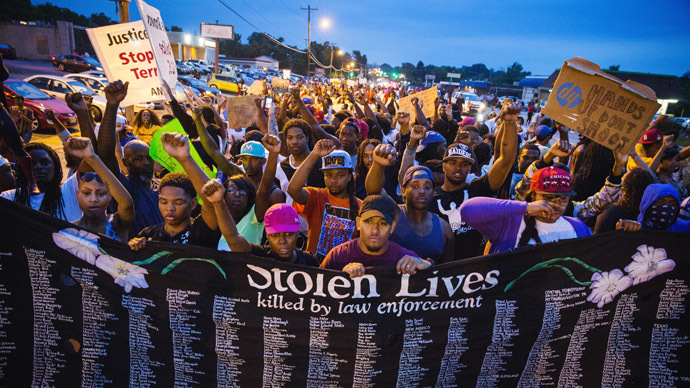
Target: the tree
pixel 614 67
pixel 420 65
pixel 175 29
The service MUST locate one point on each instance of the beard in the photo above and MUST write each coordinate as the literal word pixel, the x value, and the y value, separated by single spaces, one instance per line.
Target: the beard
pixel 374 249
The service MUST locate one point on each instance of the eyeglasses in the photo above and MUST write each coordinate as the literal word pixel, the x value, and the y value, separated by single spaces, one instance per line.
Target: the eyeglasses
pixel 235 192
pixel 89 176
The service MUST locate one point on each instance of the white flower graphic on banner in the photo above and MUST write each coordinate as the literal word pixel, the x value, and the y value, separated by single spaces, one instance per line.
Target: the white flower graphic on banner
pixel 126 274
pixel 606 285
pixel 84 245
pixel 648 263
pixel 80 243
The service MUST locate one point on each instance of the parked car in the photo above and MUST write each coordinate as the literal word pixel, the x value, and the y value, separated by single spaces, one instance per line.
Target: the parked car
pixel 7 51
pixel 201 87
pixel 182 68
pixel 38 101
pixel 684 121
pixel 94 73
pixel 58 87
pixel 225 83
pixel 77 63
pixel 97 84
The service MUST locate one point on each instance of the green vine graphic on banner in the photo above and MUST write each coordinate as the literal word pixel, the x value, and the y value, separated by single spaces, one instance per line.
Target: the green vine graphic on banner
pixel 648 262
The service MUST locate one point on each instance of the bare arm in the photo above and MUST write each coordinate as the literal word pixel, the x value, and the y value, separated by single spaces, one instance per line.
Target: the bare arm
pixel 115 93
pixel 296 186
pixel 384 156
pixel 306 115
pixel 358 111
pixel 60 129
pixel 668 141
pixel 214 193
pixel 212 149
pixel 177 146
pixel 76 102
pixel 81 147
pixel 417 134
pixel 509 139
pixel 263 193
pixel 260 116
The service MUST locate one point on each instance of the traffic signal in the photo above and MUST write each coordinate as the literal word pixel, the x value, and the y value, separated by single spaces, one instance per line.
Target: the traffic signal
pixel 351 74
pixel 395 75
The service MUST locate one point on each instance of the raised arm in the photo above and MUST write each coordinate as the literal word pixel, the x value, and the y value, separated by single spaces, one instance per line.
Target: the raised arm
pixel 358 111
pixel 177 146
pixel 214 192
pixel 81 147
pixel 76 102
pixel 306 115
pixel 384 156
pixel 60 129
pixel 417 134
pixel 420 117
pixel 115 93
pixel 263 192
pixel 212 148
pixel 668 143
pixel 508 140
pixel 296 186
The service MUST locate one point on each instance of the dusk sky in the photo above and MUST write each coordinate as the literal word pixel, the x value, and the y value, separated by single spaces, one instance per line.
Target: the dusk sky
pixel 640 36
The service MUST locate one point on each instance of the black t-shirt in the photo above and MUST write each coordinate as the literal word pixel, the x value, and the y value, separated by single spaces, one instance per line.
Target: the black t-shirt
pixel 607 220
pixel 468 241
pixel 315 178
pixel 301 257
pixel 196 233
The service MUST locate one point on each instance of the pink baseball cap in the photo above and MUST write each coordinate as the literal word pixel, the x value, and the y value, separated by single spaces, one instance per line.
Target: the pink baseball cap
pixel 280 218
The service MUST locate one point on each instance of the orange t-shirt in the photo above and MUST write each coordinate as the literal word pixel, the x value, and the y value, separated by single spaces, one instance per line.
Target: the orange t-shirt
pixel 328 219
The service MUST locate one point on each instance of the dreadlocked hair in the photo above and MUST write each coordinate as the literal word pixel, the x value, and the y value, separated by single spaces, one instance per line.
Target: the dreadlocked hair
pixel 354 205
pixel 634 184
pixel 52 200
pixel 530 231
pixel 594 166
pixel 360 167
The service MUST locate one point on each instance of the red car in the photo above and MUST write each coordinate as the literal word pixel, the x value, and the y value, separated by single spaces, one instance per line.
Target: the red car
pixel 38 101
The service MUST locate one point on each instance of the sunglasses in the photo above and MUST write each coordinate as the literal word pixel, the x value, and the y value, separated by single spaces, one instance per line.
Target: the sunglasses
pixel 89 176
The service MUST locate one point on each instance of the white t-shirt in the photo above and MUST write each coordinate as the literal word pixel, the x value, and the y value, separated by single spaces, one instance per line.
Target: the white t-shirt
pixel 69 198
pixel 559 230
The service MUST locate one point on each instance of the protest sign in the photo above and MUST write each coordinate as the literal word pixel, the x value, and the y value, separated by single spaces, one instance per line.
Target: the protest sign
pixel 159 42
pixel 318 72
pixel 157 152
pixel 126 54
pixel 242 111
pixel 280 86
pixel 426 101
pixel 77 308
pixel 600 106
pixel 257 88
pixel 351 82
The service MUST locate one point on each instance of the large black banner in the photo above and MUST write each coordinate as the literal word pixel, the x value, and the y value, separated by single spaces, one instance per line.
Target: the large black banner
pixel 80 310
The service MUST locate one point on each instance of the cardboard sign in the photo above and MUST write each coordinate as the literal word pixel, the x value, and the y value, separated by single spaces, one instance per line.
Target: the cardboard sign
pixel 280 86
pixel 242 111
pixel 258 88
pixel 159 42
pixel 600 106
pixel 125 52
pixel 157 152
pixel 426 101
pixel 351 82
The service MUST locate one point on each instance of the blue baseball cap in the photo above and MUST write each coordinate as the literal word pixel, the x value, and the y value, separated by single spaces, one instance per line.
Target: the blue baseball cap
pixel 544 131
pixel 429 138
pixel 337 159
pixel 253 148
pixel 418 172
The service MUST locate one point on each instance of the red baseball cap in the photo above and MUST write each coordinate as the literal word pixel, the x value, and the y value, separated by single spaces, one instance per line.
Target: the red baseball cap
pixel 650 136
pixel 280 218
pixel 319 115
pixel 551 180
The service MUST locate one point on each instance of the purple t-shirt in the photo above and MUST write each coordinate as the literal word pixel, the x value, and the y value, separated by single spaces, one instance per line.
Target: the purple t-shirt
pixel 350 252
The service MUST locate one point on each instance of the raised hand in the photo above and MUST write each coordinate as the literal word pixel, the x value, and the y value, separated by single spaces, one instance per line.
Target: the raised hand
pixel 294 92
pixel 175 144
pixel 324 147
pixel 271 143
pixel 559 149
pixel 385 155
pixel 620 157
pixel 509 112
pixel 50 115
pixel 80 147
pixel 196 113
pixel 414 101
pixel 449 111
pixel 213 191
pixel 668 141
pixel 76 102
pixel 628 225
pixel 403 117
pixel 437 103
pixel 116 91
pixel 418 132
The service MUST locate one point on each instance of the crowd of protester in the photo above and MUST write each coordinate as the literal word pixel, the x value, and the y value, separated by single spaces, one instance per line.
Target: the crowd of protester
pixel 348 181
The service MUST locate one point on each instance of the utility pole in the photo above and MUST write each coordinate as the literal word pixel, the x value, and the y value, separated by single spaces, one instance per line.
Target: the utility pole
pixel 124 18
pixel 309 9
